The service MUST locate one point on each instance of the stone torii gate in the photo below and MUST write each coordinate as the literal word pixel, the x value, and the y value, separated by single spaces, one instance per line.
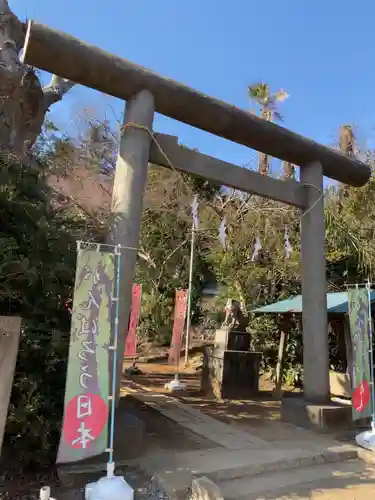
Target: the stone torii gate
pixel 147 93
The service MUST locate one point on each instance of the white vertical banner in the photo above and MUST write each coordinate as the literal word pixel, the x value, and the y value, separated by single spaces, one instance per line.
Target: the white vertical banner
pixel 223 233
pixel 257 248
pixel 288 247
pixel 194 212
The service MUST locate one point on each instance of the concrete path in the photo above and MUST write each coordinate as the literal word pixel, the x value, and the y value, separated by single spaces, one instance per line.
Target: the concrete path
pixel 196 421
pixel 226 435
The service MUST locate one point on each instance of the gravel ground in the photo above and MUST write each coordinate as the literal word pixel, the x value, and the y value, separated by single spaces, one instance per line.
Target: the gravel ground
pixel 144 487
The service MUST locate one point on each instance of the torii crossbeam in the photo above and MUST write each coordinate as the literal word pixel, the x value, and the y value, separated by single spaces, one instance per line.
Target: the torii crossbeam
pixel 147 93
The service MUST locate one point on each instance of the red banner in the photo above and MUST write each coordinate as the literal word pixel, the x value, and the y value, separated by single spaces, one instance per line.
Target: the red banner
pixel 178 325
pixel 131 337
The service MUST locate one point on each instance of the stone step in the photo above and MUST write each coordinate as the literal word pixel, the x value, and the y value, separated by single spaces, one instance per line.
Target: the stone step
pixel 299 483
pixel 175 472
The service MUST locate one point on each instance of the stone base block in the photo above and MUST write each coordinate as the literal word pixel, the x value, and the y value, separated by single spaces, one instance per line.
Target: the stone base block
pixel 230 374
pixel 331 417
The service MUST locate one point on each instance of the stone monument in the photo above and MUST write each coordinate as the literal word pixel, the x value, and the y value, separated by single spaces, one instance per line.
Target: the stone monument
pixel 230 368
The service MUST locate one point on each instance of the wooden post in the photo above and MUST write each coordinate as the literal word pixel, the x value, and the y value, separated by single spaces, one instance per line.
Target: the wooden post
pixel 10 328
pixel 127 202
pixel 314 289
pixel 277 392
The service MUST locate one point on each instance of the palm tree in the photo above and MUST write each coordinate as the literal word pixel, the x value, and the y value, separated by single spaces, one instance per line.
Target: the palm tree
pixel 260 94
pixel 347 146
pixel 288 170
pixel 349 216
pixel 347 141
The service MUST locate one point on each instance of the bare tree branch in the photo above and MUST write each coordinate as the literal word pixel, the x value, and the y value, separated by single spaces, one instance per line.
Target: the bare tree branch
pixel 78 205
pixel 55 90
pixel 146 257
pixel 168 257
pixel 217 210
pixel 23 102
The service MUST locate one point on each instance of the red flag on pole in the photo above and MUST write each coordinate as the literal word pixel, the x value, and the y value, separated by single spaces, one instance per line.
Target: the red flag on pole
pixel 131 337
pixel 178 325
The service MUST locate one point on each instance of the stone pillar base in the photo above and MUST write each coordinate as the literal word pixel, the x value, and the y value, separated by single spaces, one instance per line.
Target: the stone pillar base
pixel 331 417
pixel 230 374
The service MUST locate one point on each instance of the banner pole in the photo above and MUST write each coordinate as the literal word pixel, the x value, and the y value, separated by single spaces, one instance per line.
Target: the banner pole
pixel 178 358
pixel 188 318
pixel 111 464
pixel 368 286
pixel 178 366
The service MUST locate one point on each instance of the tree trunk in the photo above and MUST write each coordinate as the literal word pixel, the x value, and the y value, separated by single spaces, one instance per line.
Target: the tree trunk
pixel 347 147
pixel 288 171
pixel 347 141
pixel 263 167
pixel 263 164
pixel 23 101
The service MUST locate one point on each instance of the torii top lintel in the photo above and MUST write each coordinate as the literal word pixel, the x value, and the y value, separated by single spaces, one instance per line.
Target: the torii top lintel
pixel 88 65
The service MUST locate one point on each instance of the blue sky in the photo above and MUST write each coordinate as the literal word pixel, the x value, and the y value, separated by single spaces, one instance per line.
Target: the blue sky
pixel 320 52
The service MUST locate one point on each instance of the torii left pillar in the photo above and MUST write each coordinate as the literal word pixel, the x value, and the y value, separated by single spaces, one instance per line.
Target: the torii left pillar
pixel 127 203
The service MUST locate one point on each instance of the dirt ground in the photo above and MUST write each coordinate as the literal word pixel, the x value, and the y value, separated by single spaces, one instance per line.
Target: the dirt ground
pixel 260 417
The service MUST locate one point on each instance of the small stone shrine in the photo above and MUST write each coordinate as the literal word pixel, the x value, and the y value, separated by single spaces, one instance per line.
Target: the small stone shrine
pixel 230 368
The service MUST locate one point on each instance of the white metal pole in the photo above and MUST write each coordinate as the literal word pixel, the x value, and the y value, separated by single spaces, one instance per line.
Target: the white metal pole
pixel 368 286
pixel 188 317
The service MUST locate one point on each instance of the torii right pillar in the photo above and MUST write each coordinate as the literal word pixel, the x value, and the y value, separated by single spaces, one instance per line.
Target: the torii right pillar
pixel 314 289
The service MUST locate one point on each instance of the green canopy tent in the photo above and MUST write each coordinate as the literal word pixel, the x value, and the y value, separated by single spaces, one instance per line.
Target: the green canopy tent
pixel 337 308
